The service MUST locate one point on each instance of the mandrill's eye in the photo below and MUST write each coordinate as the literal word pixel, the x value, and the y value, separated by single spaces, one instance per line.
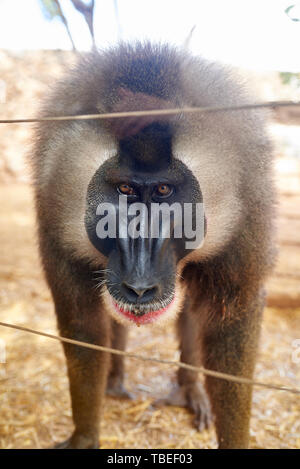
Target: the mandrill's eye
pixel 126 189
pixel 163 190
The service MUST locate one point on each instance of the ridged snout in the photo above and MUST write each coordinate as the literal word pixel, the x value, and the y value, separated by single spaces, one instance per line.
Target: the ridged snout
pixel 143 266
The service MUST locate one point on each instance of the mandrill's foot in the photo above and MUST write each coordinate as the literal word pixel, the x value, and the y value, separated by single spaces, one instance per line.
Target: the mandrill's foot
pixel 79 441
pixel 115 388
pixel 194 397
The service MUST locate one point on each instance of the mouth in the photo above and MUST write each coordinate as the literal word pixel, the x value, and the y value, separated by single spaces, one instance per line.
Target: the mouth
pixel 141 314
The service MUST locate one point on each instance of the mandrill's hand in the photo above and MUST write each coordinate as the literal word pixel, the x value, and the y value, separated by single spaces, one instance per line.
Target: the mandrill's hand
pixel 194 397
pixel 80 441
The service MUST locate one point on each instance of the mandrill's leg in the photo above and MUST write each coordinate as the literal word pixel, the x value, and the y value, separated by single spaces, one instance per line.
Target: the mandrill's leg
pixel 189 392
pixel 83 319
pixel 230 346
pixel 115 383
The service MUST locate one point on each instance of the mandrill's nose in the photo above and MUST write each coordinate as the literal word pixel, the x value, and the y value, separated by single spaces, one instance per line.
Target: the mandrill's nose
pixel 139 292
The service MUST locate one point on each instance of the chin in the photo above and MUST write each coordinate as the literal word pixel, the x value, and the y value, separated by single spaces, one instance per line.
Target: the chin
pixel 159 312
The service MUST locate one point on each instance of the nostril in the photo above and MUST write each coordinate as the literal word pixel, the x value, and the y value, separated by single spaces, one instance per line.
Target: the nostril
pixel 136 292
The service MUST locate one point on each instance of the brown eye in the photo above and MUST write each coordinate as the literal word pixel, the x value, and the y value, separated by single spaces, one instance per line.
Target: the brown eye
pixel 126 189
pixel 163 190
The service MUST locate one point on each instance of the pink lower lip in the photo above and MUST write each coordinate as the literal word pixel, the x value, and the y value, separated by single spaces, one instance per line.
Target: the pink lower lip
pixel 146 318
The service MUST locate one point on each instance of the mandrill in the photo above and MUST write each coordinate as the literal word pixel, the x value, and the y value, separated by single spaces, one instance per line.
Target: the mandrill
pixel 209 278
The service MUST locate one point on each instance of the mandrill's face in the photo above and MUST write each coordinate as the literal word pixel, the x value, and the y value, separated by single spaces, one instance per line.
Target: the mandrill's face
pixel 144 213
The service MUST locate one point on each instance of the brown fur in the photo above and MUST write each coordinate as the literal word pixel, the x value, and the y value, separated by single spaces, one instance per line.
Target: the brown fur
pixel 231 156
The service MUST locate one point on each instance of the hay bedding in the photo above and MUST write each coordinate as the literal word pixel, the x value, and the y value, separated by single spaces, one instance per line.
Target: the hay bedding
pixel 34 399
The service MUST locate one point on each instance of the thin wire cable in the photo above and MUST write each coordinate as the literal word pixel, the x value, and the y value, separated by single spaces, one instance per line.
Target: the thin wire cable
pixel 205 371
pixel 157 112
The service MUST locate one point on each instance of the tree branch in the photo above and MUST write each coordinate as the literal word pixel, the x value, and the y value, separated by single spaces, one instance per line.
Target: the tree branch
pixel 87 10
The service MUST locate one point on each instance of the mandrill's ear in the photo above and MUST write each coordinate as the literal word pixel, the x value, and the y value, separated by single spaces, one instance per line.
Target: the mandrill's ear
pixel 128 101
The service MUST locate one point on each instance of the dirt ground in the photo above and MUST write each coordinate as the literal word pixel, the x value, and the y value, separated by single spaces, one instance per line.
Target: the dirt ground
pixel 34 399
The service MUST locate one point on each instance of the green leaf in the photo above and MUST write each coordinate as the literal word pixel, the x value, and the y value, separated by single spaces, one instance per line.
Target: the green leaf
pixel 49 9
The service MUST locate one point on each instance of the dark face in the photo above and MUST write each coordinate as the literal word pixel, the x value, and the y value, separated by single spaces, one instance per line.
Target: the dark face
pixel 142 247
